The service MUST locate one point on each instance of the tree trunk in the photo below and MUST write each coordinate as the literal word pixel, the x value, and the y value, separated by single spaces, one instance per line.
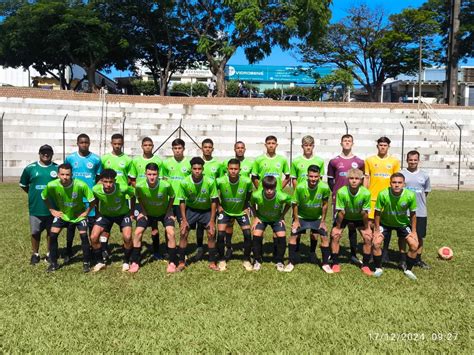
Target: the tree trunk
pixel 91 78
pixel 220 79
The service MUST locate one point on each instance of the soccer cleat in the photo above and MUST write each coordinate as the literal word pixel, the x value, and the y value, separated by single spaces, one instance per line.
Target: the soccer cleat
pixel 289 268
pixel 199 254
pixel 336 268
pixel 171 268
pixel 52 267
pixel 327 269
pixel 67 260
pixel 86 267
pixel 366 270
pixel 313 259
pixel 402 265
pixel 410 274
pixel 385 257
pixel 134 268
pixel 423 265
pixel 181 266
pixel 35 259
pixel 47 259
pixel 356 261
pixel 228 254
pixel 214 267
pixel 257 266
pixel 98 267
pixel 280 267
pixel 222 265
pixel 106 257
pixel 247 265
pixel 378 272
pixel 125 266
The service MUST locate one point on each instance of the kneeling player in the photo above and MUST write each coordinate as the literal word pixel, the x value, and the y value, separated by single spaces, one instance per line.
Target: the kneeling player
pixel 352 208
pixel 391 213
pixel 310 205
pixel 269 207
pixel 235 192
pixel 156 204
pixel 68 196
pixel 198 204
pixel 113 208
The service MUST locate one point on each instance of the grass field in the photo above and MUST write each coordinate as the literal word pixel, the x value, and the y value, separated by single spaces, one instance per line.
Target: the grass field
pixel 235 311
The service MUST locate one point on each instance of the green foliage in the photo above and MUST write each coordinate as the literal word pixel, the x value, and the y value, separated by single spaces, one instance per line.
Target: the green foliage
pixel 194 89
pixel 232 88
pixel 312 93
pixel 144 87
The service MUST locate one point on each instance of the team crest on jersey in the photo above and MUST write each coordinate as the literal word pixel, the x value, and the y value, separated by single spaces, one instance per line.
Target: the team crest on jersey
pixel 240 191
pixel 53 174
pixel 76 164
pixel 213 170
pixel 184 169
pixel 278 165
pixel 319 196
pixel 354 165
pixel 389 166
pixel 403 204
pixel 117 200
pixel 122 164
pixel 276 206
pixel 74 195
pixel 90 165
pixel 421 180
pixel 203 191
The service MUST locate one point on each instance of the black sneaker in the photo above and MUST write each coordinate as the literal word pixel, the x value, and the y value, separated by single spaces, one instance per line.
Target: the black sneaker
pixel 52 267
pixel 35 259
pixel 228 254
pixel 67 260
pixel 402 265
pixel 86 267
pixel 423 265
pixel 106 257
pixel 199 254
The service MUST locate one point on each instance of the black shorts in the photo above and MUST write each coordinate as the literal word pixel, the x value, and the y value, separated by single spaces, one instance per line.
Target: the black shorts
pixel 108 222
pixel 402 232
pixel 60 223
pixel 224 218
pixel 313 225
pixel 198 217
pixel 350 224
pixel 421 226
pixel 177 213
pixel 278 226
pixel 152 222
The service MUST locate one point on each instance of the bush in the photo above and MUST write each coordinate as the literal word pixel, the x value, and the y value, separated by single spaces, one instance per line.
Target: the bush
pixel 144 87
pixel 198 89
pixel 312 93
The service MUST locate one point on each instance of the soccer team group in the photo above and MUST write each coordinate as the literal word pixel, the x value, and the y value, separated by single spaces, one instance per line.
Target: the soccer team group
pixel 91 194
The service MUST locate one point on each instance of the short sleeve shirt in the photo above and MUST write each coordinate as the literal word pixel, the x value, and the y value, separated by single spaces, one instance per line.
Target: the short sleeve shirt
pixel 120 163
pixel 380 171
pixel 266 166
pixel 419 183
pixel 393 209
pixel 245 167
pixel 338 168
pixel 137 168
pixel 114 204
pixel 234 195
pixel 353 205
pixel 154 199
pixel 212 168
pixel 198 195
pixel 269 210
pixel 299 167
pixel 174 172
pixel 85 168
pixel 310 201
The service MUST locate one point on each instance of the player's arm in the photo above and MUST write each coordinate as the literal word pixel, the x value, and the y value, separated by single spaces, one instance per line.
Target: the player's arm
pixel 255 180
pixel 286 172
pixel 54 213
pixel 339 218
pixel 285 182
pixel 25 181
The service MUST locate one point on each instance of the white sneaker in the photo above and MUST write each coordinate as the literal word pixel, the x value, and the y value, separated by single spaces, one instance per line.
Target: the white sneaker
pixel 289 268
pixel 247 265
pixel 327 268
pixel 280 267
pixel 378 272
pixel 98 267
pixel 410 274
pixel 257 266
pixel 125 266
pixel 222 265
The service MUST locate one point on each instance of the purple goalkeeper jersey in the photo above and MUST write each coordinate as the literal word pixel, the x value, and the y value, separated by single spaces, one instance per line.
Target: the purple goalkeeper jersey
pixel 338 168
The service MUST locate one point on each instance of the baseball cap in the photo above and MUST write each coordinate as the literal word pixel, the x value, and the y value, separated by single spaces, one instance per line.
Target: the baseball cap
pixel 46 148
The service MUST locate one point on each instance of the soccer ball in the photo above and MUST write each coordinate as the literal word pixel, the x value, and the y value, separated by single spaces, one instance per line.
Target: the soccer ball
pixel 445 253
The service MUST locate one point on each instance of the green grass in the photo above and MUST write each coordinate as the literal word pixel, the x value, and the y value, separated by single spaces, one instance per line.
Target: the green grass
pixel 235 311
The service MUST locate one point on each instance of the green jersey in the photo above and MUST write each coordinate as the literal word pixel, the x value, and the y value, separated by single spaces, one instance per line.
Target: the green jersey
pixel 155 200
pixel 69 199
pixel 175 171
pixel 114 204
pixel 245 167
pixel 198 195
pixel 394 209
pixel 265 166
pixel 269 210
pixel 212 168
pixel 299 167
pixel 35 177
pixel 137 168
pixel 310 201
pixel 120 163
pixel 353 205
pixel 234 195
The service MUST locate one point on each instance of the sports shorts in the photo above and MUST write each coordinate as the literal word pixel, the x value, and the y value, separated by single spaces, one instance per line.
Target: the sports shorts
pixel 313 225
pixel 402 232
pixel 60 223
pixel 421 226
pixel 108 222
pixel 40 223
pixel 151 221
pixel 278 226
pixel 224 218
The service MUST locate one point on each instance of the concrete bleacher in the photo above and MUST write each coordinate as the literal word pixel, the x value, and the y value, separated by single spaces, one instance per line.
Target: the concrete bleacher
pixel 30 122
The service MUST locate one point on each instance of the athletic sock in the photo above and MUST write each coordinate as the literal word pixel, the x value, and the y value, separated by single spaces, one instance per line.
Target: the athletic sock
pixel 325 251
pixel 298 243
pixel 221 236
pixel 199 236
pixel 275 248
pixel 257 248
pixel 97 255
pixel 155 240
pixel 228 240
pixel 182 254
pixel 135 257
pixel 53 247
pixel 418 258
pixel 403 257
pixel 126 255
pixel 292 253
pixel 353 241
pixel 378 261
pixel 281 248
pixel 410 262
pixel 247 244
pixel 334 257
pixel 172 255
pixel 386 242
pixel 365 259
pixel 86 247
pixel 70 231
pixel 212 255
pixel 312 245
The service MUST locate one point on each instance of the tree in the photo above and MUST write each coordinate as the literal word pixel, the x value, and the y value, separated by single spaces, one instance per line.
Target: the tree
pixel 222 26
pixel 339 79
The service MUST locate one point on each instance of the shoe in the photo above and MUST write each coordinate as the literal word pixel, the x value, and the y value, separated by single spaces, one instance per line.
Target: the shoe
pixel 228 254
pixel 385 257
pixel 327 269
pixel 222 265
pixel 47 259
pixel 247 265
pixel 356 261
pixel 52 267
pixel 213 266
pixel 180 267
pixel 156 256
pixel 410 274
pixel 134 268
pixel 378 272
pixel 98 267
pixel 199 254
pixel 35 259
pixel 67 260
pixel 280 267
pixel 257 266
pixel 402 265
pixel 366 270
pixel 289 268
pixel 125 266
pixel 106 257
pixel 423 265
pixel 86 267
pixel 336 268
pixel 171 268
pixel 313 259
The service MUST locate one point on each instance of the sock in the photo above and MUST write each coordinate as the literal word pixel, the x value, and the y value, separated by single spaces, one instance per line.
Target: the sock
pixel 53 247
pixel 365 259
pixel 410 262
pixel 353 241
pixel 275 248
pixel 155 240
pixel 292 253
pixel 325 252
pixel 182 254
pixel 313 244
pixel 228 240
pixel 281 248
pixel 135 257
pixel 104 243
pixel 378 261
pixel 199 236
pixel 418 258
pixel 86 247
pixel 298 243
pixel 97 255
pixel 221 236
pixel 172 255
pixel 126 255
pixel 247 244
pixel 70 239
pixel 386 243
pixel 403 257
pixel 212 255
pixel 334 257
pixel 257 248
